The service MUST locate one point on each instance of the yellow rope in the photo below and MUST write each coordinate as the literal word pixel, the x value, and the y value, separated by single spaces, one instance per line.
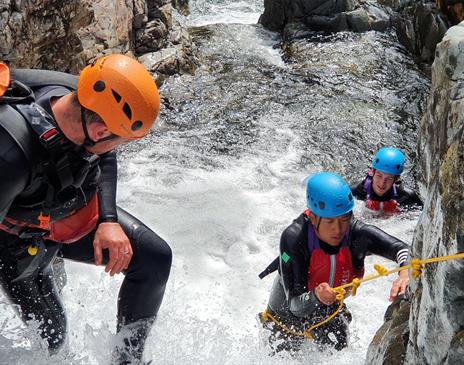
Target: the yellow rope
pixel 416 267
pixel 266 316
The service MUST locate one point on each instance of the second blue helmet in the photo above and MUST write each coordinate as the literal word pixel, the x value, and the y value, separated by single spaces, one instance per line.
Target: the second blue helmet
pixel 389 160
pixel 328 195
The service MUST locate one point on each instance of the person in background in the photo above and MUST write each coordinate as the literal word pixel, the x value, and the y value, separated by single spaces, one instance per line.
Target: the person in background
pixel 382 189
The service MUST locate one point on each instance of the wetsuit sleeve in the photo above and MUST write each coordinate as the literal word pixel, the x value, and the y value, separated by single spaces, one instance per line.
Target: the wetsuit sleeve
pixel 409 197
pixel 366 239
pixel 294 261
pixel 107 187
pixel 15 172
pixel 358 191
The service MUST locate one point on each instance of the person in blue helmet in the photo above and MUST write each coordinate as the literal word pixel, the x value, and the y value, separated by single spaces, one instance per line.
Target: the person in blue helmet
pixel 323 248
pixel 382 189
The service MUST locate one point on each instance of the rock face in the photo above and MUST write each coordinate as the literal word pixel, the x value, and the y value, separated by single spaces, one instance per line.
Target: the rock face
pixel 295 17
pixel 65 35
pixel 420 26
pixel 435 330
pixel 454 9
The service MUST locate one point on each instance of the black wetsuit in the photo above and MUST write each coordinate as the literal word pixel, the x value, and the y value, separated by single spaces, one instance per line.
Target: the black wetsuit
pixel 145 279
pixel 298 307
pixel 404 197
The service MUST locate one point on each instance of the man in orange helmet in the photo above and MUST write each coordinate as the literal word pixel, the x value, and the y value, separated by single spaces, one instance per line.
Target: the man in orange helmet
pixel 58 193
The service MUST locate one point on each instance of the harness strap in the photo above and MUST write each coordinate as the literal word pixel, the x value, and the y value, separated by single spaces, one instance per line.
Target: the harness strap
pixel 52 140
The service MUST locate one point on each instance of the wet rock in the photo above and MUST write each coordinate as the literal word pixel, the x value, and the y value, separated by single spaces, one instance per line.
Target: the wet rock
pixel 327 23
pixel 456 351
pixel 453 9
pixel 388 346
pixel 182 6
pixel 64 36
pixel 358 20
pixel 152 37
pixel 140 14
pixel 322 15
pixel 420 27
pixel 436 315
pixel 277 14
pixel 169 61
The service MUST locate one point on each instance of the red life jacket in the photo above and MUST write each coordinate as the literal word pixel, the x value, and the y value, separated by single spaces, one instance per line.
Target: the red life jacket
pixel 66 230
pixel 389 206
pixel 333 269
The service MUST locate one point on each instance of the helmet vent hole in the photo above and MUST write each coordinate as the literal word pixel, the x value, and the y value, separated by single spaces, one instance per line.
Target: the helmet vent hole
pixel 99 86
pixel 137 125
pixel 321 205
pixel 116 96
pixel 128 111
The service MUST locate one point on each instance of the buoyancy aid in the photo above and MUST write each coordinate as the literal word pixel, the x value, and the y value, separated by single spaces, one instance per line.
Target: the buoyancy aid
pixel 60 200
pixel 337 269
pixel 389 206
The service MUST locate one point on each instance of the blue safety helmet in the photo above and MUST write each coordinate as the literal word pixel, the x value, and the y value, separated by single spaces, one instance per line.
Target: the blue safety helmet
pixel 389 160
pixel 328 195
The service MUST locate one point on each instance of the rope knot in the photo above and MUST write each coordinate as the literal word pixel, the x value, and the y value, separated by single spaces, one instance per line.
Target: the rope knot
pixel 265 315
pixel 355 284
pixel 416 268
pixel 382 270
pixel 340 294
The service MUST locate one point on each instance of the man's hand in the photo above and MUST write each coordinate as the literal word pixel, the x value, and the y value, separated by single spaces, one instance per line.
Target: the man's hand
pixel 399 285
pixel 325 294
pixel 111 236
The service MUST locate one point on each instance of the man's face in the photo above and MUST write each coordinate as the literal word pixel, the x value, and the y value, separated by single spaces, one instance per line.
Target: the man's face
pixel 382 182
pixel 331 230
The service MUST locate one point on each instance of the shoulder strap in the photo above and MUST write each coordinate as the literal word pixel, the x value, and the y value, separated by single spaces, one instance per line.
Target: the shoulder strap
pixel 38 78
pixel 313 241
pixel 15 125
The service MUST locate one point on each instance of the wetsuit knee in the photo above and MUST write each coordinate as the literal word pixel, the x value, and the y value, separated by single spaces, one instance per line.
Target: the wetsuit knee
pixel 143 288
pixel 154 256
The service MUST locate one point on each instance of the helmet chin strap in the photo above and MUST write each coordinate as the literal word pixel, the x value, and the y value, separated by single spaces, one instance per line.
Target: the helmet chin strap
pixel 318 223
pixel 88 142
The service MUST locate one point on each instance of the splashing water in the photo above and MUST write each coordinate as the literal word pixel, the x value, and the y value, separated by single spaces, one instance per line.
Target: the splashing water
pixel 222 176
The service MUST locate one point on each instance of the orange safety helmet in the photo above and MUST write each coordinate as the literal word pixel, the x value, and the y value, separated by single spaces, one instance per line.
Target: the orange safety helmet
pixel 4 78
pixel 122 92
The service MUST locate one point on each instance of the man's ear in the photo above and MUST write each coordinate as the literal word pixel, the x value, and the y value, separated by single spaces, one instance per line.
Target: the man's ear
pixel 313 219
pixel 98 131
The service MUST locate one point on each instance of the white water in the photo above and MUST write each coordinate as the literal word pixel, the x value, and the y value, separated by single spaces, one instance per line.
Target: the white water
pixel 223 224
pixel 224 11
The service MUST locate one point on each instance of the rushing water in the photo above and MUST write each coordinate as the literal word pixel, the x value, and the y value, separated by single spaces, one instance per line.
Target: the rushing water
pixel 222 175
